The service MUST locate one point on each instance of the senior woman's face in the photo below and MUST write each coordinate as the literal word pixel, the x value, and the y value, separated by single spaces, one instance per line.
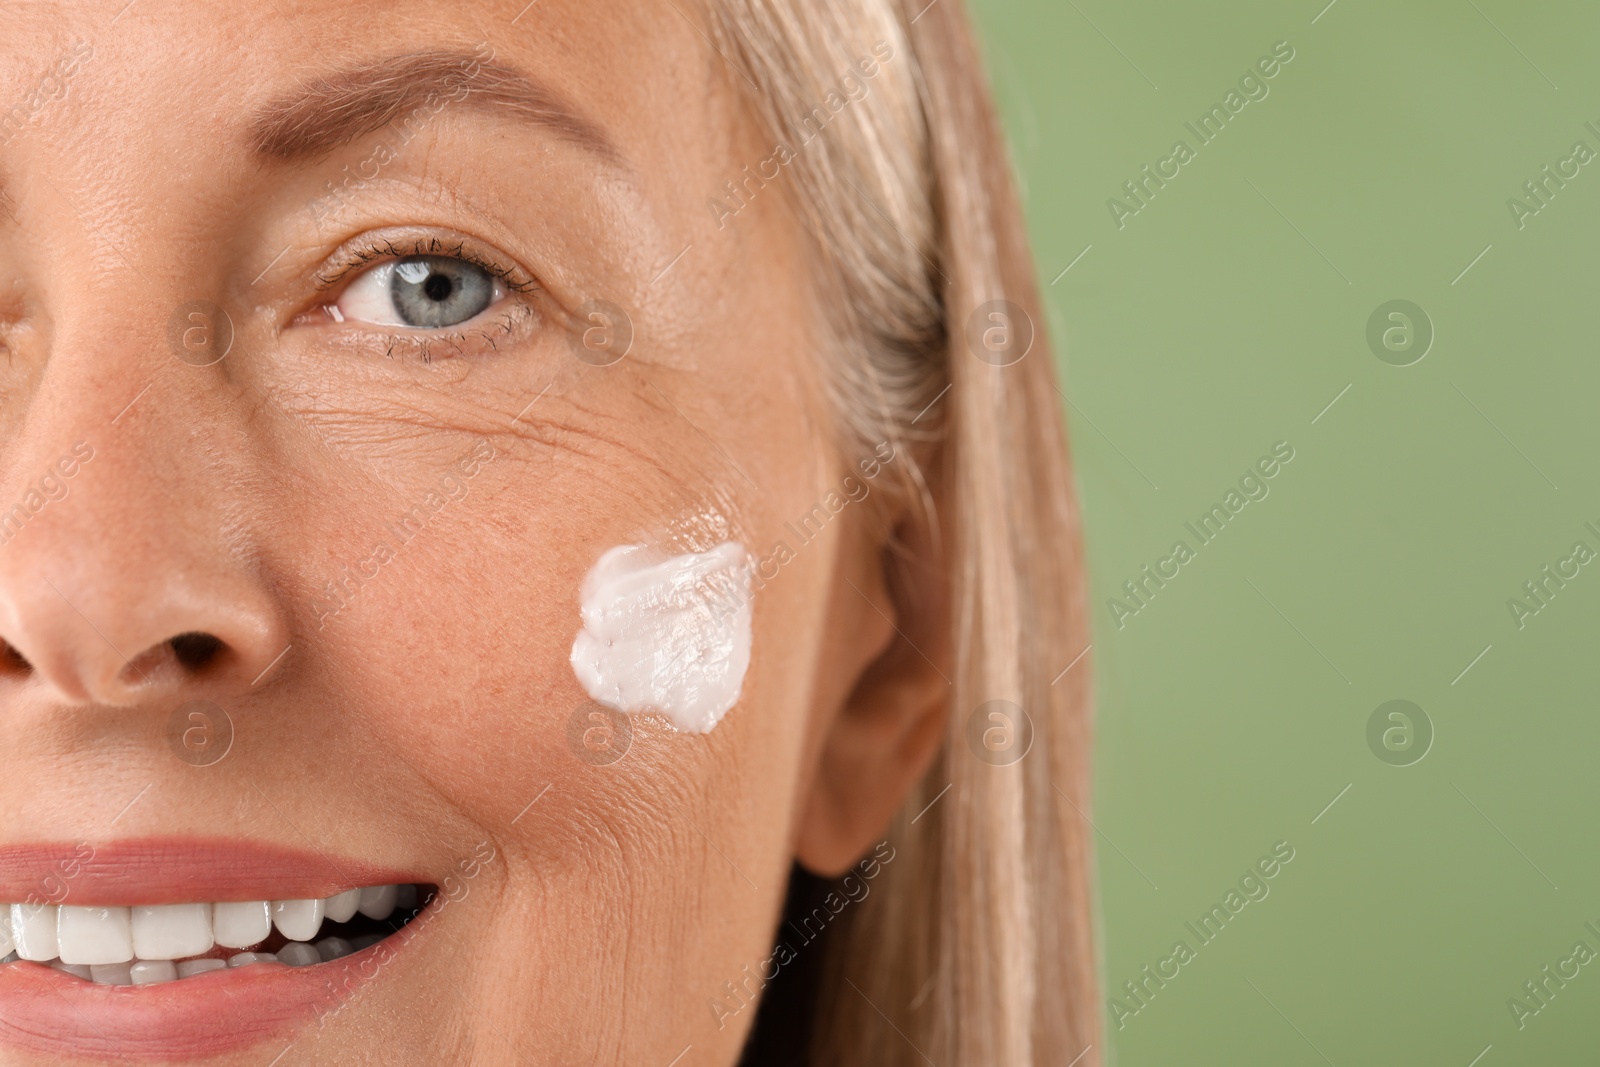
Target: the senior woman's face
pixel 341 340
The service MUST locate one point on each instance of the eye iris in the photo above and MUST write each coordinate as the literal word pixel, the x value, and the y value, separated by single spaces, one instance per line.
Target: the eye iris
pixel 432 292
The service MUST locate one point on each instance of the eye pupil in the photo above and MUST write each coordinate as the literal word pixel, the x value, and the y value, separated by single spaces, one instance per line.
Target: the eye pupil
pixel 435 292
pixel 438 287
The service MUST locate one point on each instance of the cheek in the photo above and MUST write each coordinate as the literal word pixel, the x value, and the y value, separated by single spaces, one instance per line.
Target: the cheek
pixel 669 635
pixel 451 658
pixel 461 645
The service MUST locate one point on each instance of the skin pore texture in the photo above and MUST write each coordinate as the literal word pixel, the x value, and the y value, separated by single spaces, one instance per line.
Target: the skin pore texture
pixel 384 529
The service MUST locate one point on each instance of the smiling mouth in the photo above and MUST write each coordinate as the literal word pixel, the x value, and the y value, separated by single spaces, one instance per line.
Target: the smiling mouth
pixel 152 944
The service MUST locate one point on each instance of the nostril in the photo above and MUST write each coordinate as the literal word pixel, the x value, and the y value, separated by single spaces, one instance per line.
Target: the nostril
pixel 12 661
pixel 195 651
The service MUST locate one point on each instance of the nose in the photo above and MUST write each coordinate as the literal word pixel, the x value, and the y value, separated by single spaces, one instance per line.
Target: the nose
pixel 127 568
pixel 155 631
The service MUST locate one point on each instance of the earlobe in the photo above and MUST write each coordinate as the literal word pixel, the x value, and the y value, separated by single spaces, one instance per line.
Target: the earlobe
pixel 889 727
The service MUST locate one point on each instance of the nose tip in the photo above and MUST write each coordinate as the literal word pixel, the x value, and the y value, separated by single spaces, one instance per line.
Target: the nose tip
pixel 114 661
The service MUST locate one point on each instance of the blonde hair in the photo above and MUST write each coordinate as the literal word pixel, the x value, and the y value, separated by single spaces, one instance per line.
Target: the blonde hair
pixel 976 943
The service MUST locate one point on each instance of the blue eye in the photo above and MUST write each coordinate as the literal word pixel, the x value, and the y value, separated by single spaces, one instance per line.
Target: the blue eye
pixel 423 292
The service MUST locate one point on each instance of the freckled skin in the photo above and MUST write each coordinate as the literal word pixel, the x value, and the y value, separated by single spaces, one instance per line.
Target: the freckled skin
pixel 425 698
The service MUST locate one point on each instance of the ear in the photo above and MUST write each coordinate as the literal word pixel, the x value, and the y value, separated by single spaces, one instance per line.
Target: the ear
pixel 889 613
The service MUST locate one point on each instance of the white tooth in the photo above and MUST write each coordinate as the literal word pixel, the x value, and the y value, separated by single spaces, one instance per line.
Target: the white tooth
pixel 332 948
pixel 94 935
pixel 405 898
pixel 34 927
pixel 77 970
pixel 191 967
pixel 298 920
pixel 149 972
pixel 298 954
pixel 171 931
pixel 342 907
pixel 111 974
pixel 7 942
pixel 9 957
pixel 240 925
pixel 378 902
pixel 244 959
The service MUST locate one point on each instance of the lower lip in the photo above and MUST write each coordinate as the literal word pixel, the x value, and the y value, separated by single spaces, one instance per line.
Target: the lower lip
pixel 45 1011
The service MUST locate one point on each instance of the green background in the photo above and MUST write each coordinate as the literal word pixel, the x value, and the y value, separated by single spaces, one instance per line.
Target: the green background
pixel 1226 316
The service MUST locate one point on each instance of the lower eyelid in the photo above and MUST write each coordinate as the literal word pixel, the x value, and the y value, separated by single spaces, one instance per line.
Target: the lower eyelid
pixel 490 333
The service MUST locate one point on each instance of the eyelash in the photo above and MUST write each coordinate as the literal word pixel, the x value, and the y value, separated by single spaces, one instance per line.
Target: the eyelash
pixel 427 345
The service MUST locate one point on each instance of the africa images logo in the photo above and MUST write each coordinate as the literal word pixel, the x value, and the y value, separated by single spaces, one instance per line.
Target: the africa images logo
pixel 1253 486
pixel 1208 127
pixel 1252 887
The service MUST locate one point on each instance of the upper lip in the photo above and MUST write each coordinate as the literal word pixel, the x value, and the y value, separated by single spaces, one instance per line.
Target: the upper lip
pixel 171 870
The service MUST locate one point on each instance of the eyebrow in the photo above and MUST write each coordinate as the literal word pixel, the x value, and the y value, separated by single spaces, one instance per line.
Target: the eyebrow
pixel 336 108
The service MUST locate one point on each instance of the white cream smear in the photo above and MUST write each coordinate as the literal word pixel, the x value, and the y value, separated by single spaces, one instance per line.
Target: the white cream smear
pixel 669 634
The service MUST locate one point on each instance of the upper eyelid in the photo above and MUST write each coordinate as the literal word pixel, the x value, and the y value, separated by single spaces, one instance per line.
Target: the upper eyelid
pixel 358 256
